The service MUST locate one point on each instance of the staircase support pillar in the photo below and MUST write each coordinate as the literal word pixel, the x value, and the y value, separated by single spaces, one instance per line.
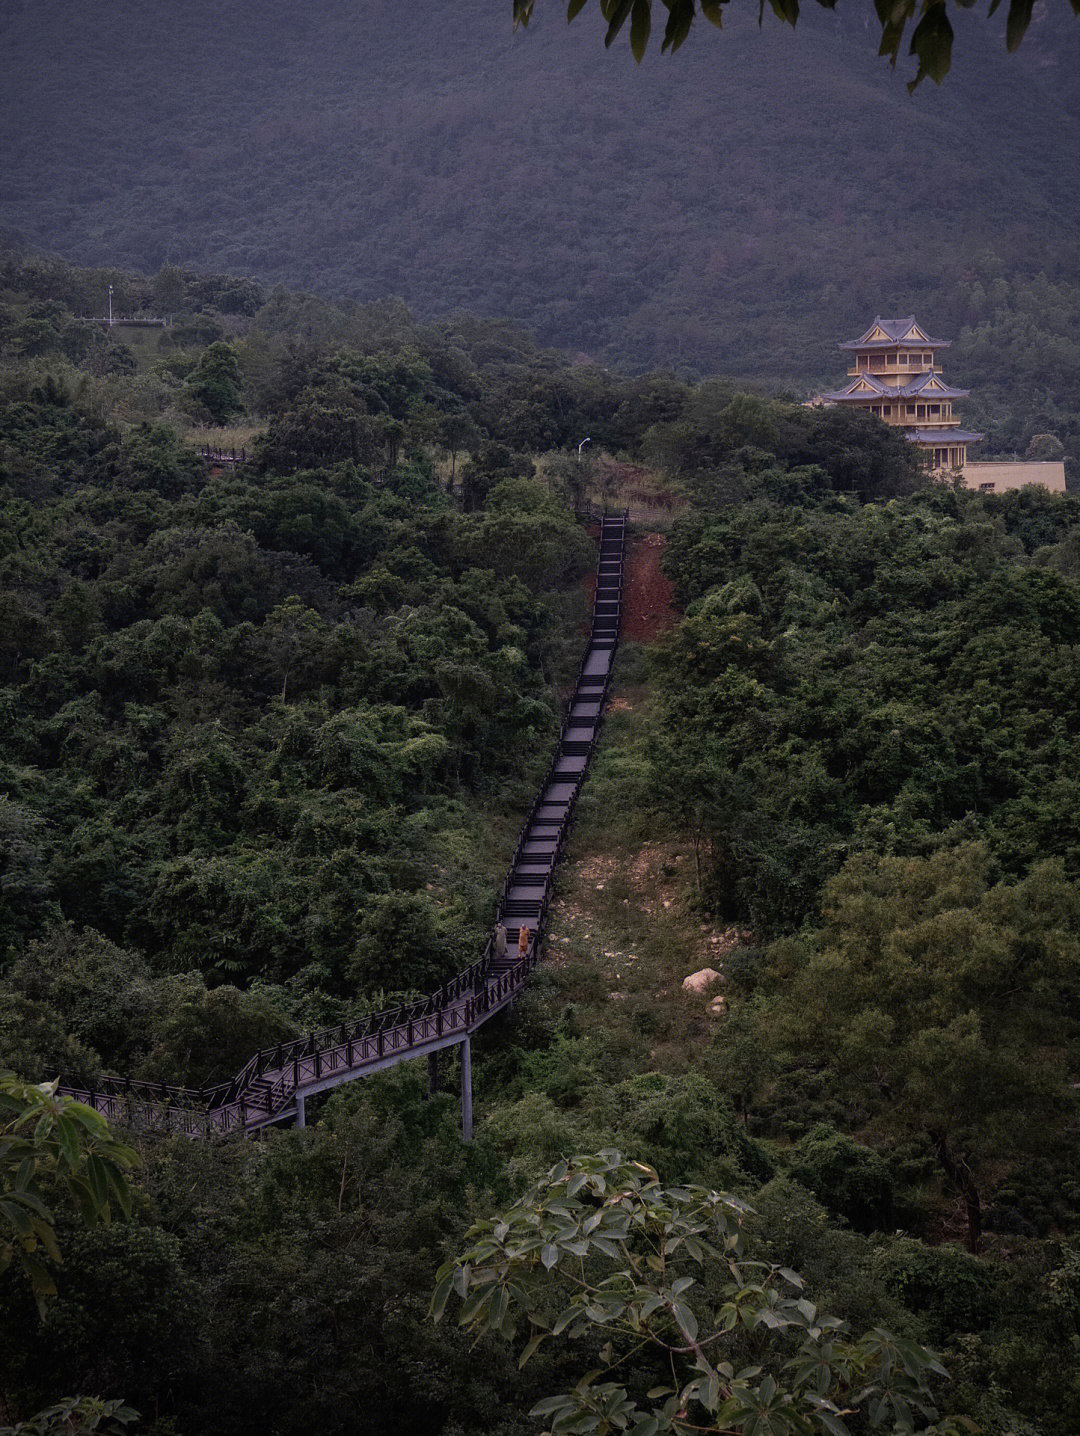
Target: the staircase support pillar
pixel 466 1091
pixel 301 1112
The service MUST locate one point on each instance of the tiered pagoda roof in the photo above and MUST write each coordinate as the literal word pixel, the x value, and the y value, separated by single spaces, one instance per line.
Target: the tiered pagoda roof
pixel 887 333
pixel 894 366
pixel 924 385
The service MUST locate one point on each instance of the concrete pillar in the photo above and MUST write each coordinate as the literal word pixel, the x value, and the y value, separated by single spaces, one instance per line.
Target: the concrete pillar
pixel 301 1113
pixel 466 1090
pixel 433 1073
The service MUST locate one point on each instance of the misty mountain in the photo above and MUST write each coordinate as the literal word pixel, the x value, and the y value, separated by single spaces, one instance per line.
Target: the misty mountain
pixel 736 208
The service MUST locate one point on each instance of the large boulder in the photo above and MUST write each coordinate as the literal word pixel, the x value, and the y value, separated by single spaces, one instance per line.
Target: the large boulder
pixel 700 982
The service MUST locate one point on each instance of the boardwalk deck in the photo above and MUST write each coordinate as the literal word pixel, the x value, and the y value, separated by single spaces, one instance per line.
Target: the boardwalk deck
pixel 276 1083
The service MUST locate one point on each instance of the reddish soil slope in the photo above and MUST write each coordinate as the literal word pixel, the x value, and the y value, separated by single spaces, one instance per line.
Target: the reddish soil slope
pixel 647 593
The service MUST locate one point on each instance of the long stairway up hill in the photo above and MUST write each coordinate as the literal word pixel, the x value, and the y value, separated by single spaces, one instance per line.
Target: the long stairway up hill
pixel 276 1082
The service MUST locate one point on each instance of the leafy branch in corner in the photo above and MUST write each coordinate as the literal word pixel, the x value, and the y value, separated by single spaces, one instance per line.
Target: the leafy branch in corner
pixel 43 1134
pixel 701 1337
pixel 931 34
pixel 75 1414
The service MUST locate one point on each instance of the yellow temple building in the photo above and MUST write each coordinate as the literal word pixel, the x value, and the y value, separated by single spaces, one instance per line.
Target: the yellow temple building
pixel 896 375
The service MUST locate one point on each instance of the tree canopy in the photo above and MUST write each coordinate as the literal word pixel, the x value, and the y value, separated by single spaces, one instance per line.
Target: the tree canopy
pixel 269 735
pixel 928 989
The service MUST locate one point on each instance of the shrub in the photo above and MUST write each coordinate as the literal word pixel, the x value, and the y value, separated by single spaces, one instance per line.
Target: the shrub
pixel 949 1289
pixel 852 1181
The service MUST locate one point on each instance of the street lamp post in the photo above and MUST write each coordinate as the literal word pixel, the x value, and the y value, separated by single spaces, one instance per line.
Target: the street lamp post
pixel 579 486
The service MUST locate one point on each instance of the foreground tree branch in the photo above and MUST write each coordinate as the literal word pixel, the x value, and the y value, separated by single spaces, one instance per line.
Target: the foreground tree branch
pixel 600 1249
pixel 928 22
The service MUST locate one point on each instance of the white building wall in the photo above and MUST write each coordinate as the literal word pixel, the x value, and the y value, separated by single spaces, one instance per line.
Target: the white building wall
pixel 999 476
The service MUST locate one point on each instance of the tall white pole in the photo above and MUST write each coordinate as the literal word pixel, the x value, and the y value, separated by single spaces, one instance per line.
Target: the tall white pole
pixel 110 304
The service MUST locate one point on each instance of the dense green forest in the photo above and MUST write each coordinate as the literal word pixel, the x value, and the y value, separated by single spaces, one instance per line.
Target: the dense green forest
pixel 737 211
pixel 268 737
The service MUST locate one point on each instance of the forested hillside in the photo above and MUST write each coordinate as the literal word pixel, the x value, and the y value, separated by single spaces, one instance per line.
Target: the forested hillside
pixel 738 209
pixel 268 736
pixel 271 695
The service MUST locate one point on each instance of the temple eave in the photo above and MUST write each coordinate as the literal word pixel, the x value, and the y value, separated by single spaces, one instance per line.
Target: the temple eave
pixel 879 344
pixel 942 436
pixel 922 392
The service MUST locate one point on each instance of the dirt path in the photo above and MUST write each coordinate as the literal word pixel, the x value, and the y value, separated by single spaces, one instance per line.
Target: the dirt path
pixel 648 610
pixel 647 593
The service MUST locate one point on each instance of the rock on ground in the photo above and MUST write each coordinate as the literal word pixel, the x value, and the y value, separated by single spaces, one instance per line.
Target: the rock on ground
pixel 700 982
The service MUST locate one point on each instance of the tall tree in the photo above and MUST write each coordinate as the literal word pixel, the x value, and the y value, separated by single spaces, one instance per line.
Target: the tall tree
pixel 945 1004
pixel 214 383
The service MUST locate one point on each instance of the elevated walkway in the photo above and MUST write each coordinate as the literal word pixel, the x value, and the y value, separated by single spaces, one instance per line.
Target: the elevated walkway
pixel 276 1082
